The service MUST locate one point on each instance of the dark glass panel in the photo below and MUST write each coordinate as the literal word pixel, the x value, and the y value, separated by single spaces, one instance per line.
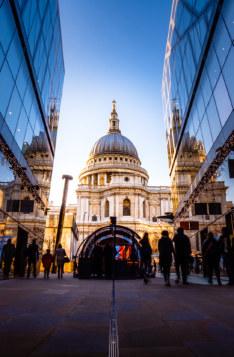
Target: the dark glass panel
pixel 6 87
pixel 200 208
pixel 222 100
pixel 7 23
pixel 215 208
pixel 213 118
pixel 228 72
pixel 12 206
pixel 26 206
pixel 13 111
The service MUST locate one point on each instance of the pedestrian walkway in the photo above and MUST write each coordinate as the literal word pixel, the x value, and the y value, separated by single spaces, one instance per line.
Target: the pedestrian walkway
pixel 71 318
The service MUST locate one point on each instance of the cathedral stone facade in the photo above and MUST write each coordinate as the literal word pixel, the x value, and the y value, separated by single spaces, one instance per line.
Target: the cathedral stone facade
pixel 113 183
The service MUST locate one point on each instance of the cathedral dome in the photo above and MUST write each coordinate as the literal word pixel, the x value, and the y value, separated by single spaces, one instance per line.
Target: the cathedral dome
pixel 114 142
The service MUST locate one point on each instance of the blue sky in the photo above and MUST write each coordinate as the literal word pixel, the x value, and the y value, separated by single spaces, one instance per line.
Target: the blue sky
pixel 113 49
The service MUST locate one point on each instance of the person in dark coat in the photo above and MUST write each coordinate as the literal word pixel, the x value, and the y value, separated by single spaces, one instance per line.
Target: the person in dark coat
pixel 97 260
pixel 33 256
pixel 166 249
pixel 47 260
pixel 60 259
pixel 182 254
pixel 8 254
pixel 146 252
pixel 108 259
pixel 227 254
pixel 212 254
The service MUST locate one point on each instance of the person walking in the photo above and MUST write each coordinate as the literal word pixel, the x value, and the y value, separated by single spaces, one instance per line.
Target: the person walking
pixel 47 260
pixel 166 249
pixel 182 254
pixel 33 256
pixel 227 254
pixel 146 252
pixel 60 258
pixel 8 254
pixel 212 254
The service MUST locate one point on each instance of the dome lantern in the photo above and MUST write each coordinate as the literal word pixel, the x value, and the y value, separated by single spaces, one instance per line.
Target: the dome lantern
pixel 114 120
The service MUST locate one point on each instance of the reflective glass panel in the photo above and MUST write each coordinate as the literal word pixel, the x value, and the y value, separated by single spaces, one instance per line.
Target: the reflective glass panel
pixel 21 128
pixel 228 14
pixel 6 87
pixel 213 67
pixel 221 42
pixel 13 111
pixel 205 128
pixel 6 21
pixel 228 72
pixel 213 118
pixel 222 100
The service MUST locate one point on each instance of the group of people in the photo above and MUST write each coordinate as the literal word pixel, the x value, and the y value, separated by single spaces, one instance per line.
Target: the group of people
pixel 213 249
pixel 31 258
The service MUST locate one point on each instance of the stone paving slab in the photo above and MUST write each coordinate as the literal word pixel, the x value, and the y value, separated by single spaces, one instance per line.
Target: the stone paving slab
pixel 71 318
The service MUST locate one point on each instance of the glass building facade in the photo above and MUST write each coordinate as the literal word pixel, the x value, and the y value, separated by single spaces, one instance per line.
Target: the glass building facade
pixel 198 99
pixel 31 81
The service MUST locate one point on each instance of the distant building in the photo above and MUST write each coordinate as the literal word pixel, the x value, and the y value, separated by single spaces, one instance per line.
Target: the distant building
pixel 31 81
pixel 69 237
pixel 198 96
pixel 113 183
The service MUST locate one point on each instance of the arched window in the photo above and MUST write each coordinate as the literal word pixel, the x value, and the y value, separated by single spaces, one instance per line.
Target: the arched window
pixel 154 219
pixel 126 207
pixel 94 218
pixel 107 208
pixel 144 209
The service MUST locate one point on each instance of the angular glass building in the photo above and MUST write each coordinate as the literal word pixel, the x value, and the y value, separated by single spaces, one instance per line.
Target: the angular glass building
pixel 198 98
pixel 31 81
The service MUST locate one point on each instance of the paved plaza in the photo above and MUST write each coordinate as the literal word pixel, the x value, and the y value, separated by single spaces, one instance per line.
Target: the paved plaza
pixel 71 318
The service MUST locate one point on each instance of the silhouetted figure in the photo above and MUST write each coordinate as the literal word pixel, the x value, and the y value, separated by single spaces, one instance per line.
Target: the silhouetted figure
pixel 108 259
pixel 204 258
pixel 212 253
pixel 8 254
pixel 33 256
pixel 47 260
pixel 97 260
pixel 182 254
pixel 146 252
pixel 166 249
pixel 60 258
pixel 227 254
